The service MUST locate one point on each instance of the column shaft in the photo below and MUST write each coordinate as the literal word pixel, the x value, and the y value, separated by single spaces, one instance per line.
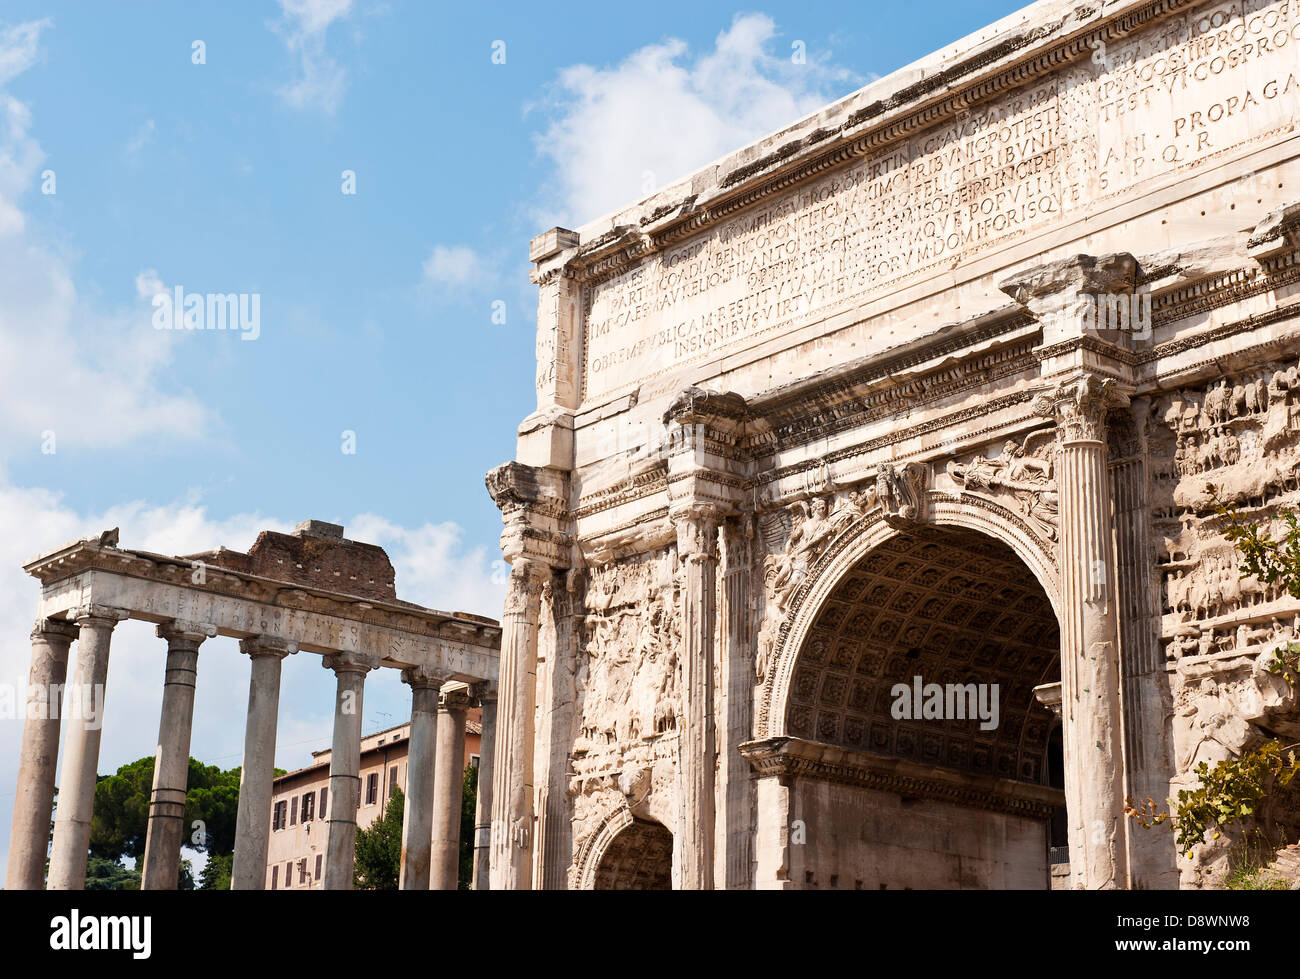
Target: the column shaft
pixel 735 829
pixel 29 835
pixel 483 801
pixel 171 769
pixel 1090 702
pixel 71 849
pixel 257 776
pixel 345 769
pixel 449 769
pixel 697 744
pixel 417 820
pixel 512 790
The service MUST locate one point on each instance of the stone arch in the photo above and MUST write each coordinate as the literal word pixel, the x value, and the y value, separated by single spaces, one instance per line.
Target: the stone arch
pixel 963 511
pixel 627 853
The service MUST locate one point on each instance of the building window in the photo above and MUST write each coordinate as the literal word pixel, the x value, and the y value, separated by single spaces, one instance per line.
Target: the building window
pixel 288 874
pixel 392 781
pixel 302 871
pixel 324 797
pixel 293 811
pixel 308 807
pixel 275 877
pixel 473 761
pixel 278 815
pixel 372 788
pixel 318 859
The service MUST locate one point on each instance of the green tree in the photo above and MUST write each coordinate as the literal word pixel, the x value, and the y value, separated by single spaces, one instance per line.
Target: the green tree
pixel 1235 789
pixel 103 874
pixel 377 863
pixel 468 802
pixel 119 824
pixel 215 875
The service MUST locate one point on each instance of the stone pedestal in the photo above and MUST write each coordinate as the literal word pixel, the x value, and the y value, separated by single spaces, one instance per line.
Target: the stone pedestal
pixel 171 766
pixel 70 851
pixel 448 789
pixel 30 832
pixel 253 821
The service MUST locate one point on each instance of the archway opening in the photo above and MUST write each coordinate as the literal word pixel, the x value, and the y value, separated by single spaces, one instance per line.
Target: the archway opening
pixel 927 757
pixel 639 858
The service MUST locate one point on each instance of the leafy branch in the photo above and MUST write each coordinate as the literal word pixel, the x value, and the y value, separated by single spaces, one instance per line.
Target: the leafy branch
pixel 1230 791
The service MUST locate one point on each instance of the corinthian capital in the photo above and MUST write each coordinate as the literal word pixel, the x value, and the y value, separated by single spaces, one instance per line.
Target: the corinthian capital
pixel 350 661
pixel 1079 405
pixel 524 592
pixel 697 531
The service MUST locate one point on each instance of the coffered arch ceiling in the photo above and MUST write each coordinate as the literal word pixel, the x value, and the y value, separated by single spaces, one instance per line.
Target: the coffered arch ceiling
pixel 951 606
pixel 639 858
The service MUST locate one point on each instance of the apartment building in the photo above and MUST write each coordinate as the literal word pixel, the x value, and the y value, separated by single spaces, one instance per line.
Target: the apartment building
pixel 300 802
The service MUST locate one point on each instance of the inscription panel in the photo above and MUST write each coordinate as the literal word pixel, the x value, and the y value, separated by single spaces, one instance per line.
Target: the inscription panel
pixel 1202 85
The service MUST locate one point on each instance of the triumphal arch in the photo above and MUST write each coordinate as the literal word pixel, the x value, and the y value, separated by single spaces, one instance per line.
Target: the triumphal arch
pixel 863 534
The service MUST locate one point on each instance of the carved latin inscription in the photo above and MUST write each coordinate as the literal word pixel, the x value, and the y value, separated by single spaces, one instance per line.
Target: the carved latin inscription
pixel 1195 87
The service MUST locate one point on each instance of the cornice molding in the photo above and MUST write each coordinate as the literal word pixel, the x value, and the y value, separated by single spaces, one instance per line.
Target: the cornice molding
pixel 786 757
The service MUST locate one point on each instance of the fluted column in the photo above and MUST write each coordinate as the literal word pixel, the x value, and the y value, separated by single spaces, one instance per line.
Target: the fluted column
pixel 487 698
pixel 71 848
pixel 735 818
pixel 171 767
pixel 448 788
pixel 29 835
pixel 512 788
pixel 256 777
pixel 1090 695
pixel 417 818
pixel 697 549
pixel 350 669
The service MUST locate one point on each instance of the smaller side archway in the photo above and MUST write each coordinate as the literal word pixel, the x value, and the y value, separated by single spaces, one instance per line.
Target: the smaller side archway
pixel 629 854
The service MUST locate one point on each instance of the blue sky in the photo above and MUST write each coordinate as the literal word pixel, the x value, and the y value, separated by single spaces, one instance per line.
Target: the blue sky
pixel 375 307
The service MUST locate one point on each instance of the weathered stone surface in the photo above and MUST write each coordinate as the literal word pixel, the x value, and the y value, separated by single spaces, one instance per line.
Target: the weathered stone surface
pixel 312 591
pixel 946 366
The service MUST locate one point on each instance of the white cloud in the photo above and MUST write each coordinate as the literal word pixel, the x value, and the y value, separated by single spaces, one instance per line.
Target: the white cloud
pixel 91 377
pixel 19 46
pixel 434 567
pixel 148 285
pixel 142 138
pixel 319 80
pixel 618 134
pixel 453 265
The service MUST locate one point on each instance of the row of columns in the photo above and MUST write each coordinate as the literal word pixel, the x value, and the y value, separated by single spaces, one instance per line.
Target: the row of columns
pixel 431 827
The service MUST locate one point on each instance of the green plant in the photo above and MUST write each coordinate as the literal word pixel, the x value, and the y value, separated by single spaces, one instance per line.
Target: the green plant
pixel 377 865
